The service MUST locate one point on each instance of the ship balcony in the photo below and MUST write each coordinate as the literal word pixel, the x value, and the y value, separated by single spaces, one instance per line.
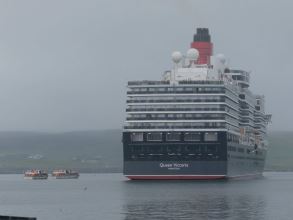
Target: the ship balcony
pixel 245 119
pixel 246 115
pixel 244 107
pixel 259 120
pixel 246 124
pixel 241 77
pixel 245 111
pixel 268 118
pixel 243 84
pixel 259 115
pixel 243 103
pixel 259 126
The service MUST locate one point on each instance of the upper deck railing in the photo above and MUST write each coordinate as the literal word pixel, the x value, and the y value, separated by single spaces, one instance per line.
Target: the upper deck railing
pixel 198 82
pixel 146 82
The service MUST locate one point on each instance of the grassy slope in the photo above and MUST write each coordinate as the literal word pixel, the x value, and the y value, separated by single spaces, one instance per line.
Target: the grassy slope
pixel 98 151
pixel 280 154
pixel 87 151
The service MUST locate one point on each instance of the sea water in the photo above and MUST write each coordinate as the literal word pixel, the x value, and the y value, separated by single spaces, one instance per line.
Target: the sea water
pixel 111 196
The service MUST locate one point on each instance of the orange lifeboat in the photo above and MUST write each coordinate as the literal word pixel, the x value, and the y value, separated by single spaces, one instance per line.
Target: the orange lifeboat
pixel 35 174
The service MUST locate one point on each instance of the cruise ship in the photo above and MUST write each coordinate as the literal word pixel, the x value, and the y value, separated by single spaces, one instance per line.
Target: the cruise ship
pixel 199 121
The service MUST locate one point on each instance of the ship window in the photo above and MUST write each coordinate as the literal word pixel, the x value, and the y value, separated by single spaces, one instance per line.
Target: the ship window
pixel 231 148
pixel 241 150
pixel 241 78
pixel 192 136
pixel 229 137
pixel 211 136
pixel 136 137
pixel 174 136
pixel 154 136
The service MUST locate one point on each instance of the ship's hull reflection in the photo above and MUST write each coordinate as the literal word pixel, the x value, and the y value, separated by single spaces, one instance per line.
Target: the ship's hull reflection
pixel 193 200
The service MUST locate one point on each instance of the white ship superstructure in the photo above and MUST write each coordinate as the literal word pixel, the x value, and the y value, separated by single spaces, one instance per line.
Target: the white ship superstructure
pixel 198 122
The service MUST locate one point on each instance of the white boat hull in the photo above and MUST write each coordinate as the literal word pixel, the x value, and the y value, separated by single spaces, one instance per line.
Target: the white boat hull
pixel 67 177
pixel 36 177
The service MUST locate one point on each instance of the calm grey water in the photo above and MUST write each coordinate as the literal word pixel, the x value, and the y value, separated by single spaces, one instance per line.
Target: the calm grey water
pixel 111 196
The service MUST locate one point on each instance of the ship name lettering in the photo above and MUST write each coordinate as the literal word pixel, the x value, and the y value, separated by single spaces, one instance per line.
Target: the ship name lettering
pixel 165 165
pixel 181 165
pixel 174 165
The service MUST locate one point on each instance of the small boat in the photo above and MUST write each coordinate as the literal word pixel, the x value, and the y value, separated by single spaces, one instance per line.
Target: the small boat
pixel 65 174
pixel 35 175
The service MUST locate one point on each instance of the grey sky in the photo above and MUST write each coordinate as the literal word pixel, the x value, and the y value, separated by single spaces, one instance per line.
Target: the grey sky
pixel 64 64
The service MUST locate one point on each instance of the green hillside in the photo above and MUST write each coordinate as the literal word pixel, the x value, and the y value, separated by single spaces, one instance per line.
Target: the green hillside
pixel 98 151
pixel 86 151
pixel 280 154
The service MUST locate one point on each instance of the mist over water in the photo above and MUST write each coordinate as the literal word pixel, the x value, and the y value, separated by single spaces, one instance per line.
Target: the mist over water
pixel 69 71
pixel 64 66
pixel 111 196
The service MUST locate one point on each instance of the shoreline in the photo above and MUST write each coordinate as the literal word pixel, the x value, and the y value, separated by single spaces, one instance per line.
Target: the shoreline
pixel 119 172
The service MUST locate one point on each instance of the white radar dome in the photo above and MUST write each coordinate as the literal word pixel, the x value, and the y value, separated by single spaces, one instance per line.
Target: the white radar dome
pixel 192 54
pixel 176 56
pixel 222 58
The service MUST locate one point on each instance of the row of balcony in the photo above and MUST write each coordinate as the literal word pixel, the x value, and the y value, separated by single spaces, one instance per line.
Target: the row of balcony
pixel 176 118
pixel 174 127
pixel 175 100
pixel 177 92
pixel 173 109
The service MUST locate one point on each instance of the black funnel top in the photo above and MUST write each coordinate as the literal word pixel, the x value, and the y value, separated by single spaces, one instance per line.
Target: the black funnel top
pixel 202 34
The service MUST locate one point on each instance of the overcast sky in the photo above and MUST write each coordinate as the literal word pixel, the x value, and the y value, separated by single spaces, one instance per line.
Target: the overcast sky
pixel 64 64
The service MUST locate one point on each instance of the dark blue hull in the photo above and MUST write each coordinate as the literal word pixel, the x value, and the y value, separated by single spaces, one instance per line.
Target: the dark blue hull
pixel 218 159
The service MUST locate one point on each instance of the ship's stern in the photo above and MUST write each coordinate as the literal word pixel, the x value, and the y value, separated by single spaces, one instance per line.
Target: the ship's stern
pixel 202 159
